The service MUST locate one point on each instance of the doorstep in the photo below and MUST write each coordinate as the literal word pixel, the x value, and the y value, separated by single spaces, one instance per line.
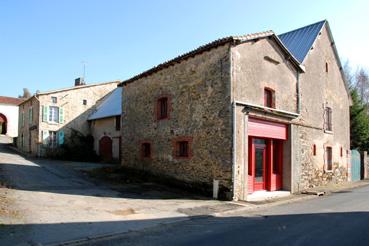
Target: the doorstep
pixel 260 196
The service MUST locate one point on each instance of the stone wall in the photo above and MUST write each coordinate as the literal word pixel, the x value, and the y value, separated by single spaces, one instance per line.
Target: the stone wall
pixel 75 113
pixel 320 88
pixel 200 109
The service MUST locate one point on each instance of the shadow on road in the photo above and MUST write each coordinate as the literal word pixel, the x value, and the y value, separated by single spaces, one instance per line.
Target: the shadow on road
pixel 295 229
pixel 58 177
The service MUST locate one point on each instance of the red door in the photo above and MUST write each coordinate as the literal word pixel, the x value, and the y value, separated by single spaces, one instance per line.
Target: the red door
pixel 258 164
pixel 106 148
pixel 265 164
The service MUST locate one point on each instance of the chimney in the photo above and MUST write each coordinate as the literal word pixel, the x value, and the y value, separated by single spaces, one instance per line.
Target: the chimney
pixel 79 81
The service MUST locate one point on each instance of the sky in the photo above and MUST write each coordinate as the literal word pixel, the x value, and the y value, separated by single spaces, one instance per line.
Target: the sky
pixel 44 43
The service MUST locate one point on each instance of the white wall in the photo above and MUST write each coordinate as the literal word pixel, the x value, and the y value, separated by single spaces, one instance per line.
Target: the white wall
pixel 11 114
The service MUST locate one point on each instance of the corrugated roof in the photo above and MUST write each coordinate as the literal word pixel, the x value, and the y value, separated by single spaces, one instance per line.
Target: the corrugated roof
pixel 10 100
pixel 211 45
pixel 299 41
pixel 110 106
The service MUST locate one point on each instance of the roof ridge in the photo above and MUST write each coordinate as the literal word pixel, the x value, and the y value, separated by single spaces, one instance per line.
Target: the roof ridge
pixel 303 27
pixel 199 49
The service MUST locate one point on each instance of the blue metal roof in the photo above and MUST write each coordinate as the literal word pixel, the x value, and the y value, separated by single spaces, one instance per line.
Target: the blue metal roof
pixel 299 41
pixel 110 106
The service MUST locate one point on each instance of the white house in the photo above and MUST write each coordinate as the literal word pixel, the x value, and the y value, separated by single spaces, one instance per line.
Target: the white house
pixel 9 116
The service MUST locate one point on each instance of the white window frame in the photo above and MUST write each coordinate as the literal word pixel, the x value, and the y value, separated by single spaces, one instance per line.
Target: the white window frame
pixel 53 114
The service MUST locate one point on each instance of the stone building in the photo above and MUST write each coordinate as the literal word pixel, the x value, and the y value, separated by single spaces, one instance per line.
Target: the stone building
pixel 47 119
pixel 249 113
pixel 9 116
pixel 105 124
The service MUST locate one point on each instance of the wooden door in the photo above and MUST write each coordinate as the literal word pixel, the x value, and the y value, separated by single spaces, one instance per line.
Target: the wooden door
pixel 106 148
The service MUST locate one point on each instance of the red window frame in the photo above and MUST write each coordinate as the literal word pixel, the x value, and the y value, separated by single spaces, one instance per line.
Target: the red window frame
pixel 146 153
pixel 269 97
pixel 329 158
pixel 182 148
pixel 163 107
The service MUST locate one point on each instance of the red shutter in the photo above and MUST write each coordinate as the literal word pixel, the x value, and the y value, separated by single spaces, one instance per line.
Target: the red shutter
pixel 267 129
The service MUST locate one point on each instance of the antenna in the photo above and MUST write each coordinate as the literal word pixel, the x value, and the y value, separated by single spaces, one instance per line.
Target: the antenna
pixel 84 63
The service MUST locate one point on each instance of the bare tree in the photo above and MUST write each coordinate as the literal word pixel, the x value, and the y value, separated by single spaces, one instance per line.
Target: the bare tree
pixel 362 84
pixel 347 70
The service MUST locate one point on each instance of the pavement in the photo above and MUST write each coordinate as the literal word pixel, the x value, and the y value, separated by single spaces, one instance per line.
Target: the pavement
pixel 48 202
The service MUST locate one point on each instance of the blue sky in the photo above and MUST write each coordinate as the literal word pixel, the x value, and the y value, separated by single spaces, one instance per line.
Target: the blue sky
pixel 43 42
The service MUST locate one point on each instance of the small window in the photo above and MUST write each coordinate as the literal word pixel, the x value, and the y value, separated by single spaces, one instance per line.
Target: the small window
pixel 54 114
pixel 182 148
pixel 341 151
pixel 84 102
pixel 54 99
pixel 162 108
pixel 269 98
pixel 117 122
pixel 314 150
pixel 328 158
pixel 146 150
pixel 328 119
pixel 326 67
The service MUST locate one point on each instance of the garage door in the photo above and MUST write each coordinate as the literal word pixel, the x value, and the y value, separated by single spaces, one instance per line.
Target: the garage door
pixel 266 129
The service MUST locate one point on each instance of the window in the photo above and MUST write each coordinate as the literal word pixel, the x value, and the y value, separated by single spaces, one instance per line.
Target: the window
pixel 326 67
pixel 52 139
pixel 54 114
pixel 182 148
pixel 84 102
pixel 162 108
pixel 328 157
pixel 314 150
pixel 341 151
pixel 328 119
pixel 146 150
pixel 269 98
pixel 54 99
pixel 117 122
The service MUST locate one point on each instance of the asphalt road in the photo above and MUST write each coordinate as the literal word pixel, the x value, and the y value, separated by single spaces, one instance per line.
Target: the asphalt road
pixel 338 219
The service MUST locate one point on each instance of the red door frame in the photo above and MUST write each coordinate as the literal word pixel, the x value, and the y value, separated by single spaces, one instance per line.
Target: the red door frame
pixel 272 178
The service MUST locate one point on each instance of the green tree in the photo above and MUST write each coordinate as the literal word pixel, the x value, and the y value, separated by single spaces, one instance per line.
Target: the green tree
pixel 359 123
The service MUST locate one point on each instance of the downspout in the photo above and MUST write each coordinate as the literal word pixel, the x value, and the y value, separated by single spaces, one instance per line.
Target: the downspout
pixel 298 92
pixel 233 149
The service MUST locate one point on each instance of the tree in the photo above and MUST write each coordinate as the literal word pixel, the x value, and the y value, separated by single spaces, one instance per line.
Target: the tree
pixel 359 123
pixel 26 94
pixel 362 84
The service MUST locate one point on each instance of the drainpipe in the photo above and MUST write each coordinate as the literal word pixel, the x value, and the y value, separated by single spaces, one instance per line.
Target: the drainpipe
pixel 298 92
pixel 233 148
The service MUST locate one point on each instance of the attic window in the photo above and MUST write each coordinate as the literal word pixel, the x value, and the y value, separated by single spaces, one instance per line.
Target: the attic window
pixel 54 99
pixel 84 102
pixel 269 98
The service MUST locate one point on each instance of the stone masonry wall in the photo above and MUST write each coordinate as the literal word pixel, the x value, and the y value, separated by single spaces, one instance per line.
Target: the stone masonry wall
pixel 200 109
pixel 75 112
pixel 320 88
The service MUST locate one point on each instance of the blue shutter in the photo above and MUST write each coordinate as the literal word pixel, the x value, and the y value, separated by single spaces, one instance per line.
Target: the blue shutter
pixel 61 137
pixel 61 115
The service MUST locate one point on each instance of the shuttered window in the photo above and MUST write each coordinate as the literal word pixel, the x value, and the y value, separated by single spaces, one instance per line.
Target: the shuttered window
pixel 328 158
pixel 328 119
